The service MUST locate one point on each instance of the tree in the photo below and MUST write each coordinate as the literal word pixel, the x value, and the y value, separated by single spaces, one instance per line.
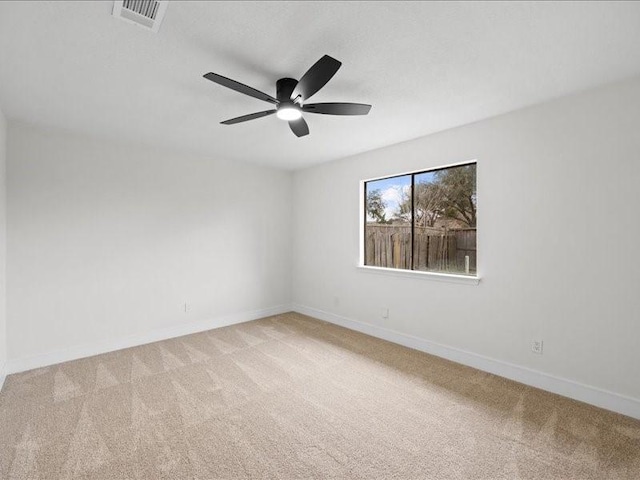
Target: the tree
pixel 459 190
pixel 376 207
pixel 451 193
pixel 428 204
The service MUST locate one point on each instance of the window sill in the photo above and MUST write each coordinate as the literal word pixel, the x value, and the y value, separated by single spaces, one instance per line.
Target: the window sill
pixel 439 277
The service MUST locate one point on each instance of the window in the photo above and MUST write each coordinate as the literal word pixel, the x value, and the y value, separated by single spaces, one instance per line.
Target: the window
pixel 422 221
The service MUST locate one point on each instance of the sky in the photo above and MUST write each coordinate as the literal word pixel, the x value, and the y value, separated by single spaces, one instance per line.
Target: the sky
pixel 392 189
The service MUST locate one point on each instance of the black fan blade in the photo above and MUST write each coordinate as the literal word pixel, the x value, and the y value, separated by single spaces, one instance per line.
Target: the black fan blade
pixel 251 116
pixel 316 77
pixel 239 87
pixel 337 108
pixel 299 127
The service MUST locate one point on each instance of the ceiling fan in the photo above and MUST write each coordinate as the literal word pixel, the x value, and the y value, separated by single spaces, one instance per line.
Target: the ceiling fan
pixel 291 96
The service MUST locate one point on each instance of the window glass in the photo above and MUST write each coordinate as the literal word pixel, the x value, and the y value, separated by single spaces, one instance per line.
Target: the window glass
pixel 388 222
pixel 423 221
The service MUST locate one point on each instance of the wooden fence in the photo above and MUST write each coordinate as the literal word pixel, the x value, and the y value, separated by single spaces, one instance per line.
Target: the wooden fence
pixel 434 249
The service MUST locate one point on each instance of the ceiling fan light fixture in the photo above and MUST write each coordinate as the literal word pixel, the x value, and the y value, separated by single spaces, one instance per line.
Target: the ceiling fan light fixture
pixel 292 95
pixel 289 113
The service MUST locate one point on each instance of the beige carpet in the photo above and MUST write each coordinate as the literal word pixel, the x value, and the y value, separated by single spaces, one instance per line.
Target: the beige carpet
pixel 292 397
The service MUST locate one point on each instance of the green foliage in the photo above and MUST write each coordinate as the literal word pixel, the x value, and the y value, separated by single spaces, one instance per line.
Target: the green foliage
pixel 451 194
pixel 376 206
pixel 459 192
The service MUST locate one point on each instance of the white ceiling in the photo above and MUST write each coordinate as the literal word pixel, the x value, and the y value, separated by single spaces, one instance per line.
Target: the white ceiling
pixel 424 66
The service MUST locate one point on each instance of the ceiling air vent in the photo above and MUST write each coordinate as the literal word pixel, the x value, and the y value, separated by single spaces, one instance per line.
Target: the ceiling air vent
pixel 145 13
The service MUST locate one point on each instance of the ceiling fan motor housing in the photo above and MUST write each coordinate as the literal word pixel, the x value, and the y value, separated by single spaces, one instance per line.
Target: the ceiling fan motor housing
pixel 284 89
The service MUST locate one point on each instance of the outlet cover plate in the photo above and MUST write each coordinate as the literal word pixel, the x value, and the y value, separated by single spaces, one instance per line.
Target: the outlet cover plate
pixel 536 346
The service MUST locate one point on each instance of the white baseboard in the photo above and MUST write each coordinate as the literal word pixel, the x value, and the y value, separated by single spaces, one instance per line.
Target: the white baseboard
pixel 81 351
pixel 585 393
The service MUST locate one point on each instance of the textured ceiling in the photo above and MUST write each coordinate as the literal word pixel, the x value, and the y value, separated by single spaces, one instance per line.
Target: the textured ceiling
pixel 424 66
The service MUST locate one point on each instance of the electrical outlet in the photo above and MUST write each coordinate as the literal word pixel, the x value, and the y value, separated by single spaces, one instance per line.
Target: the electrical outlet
pixel 384 312
pixel 186 307
pixel 336 301
pixel 536 347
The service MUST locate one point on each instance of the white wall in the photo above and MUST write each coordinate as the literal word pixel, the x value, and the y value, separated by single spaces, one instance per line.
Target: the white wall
pixel 559 229
pixel 106 242
pixel 3 247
